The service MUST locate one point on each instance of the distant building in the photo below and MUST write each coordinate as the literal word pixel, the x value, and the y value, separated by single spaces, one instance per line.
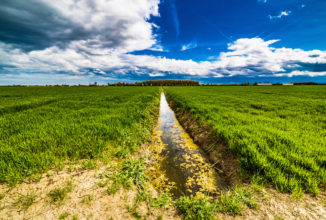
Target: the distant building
pixel 287 84
pixel 264 84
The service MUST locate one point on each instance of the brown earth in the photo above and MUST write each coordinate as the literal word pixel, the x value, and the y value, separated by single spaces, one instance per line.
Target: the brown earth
pixel 275 205
pixel 271 204
pixel 101 206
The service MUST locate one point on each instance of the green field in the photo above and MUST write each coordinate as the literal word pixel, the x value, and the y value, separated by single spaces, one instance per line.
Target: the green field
pixel 41 127
pixel 278 132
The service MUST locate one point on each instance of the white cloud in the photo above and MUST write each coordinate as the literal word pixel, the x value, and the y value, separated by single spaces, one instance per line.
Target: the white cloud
pixel 159 48
pixel 116 24
pixel 189 46
pixel 108 30
pixel 302 73
pixel 246 56
pixel 282 14
pixel 156 74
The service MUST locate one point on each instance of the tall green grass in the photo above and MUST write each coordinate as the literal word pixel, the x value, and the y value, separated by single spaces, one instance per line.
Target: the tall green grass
pixel 278 132
pixel 44 126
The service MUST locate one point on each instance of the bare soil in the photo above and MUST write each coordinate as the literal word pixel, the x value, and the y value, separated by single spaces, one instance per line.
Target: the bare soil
pixel 101 206
pixel 275 205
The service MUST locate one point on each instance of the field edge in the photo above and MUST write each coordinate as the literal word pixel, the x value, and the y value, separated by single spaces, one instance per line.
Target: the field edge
pixel 223 160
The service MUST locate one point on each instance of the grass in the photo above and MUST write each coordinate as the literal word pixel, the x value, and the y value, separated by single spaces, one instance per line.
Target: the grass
pixel 89 165
pixel 25 201
pixel 87 199
pixel 278 132
pixel 132 172
pixel 63 216
pixel 234 202
pixel 42 127
pixel 164 200
pixel 192 208
pixel 57 195
pixel 231 203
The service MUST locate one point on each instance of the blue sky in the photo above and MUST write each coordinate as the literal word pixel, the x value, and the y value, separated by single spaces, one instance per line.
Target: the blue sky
pixel 224 41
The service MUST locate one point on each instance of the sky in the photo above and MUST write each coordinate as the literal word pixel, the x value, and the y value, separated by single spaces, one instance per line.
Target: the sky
pixel 212 41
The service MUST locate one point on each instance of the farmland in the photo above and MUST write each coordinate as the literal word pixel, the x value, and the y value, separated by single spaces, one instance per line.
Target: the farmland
pixel 278 133
pixel 99 149
pixel 43 127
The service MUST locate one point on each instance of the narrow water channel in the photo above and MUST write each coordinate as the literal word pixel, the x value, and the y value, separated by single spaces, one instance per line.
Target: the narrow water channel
pixel 184 163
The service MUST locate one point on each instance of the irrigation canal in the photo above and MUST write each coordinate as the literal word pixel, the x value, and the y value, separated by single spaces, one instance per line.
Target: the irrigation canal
pixel 184 163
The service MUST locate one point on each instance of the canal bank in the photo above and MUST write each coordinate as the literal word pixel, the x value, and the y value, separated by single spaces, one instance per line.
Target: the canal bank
pixel 185 167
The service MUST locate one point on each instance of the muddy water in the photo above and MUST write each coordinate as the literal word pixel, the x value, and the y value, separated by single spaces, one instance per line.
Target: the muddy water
pixel 184 163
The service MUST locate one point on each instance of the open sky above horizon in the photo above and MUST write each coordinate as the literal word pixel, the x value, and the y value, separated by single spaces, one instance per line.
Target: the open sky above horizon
pixel 213 41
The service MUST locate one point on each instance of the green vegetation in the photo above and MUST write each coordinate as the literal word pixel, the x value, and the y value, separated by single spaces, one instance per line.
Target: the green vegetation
pixel 235 201
pixel 45 126
pixel 158 83
pixel 278 132
pixel 25 201
pixel 89 165
pixel 232 203
pixel 192 208
pixel 87 199
pixel 63 216
pixel 59 194
pixel 133 172
pixel 164 200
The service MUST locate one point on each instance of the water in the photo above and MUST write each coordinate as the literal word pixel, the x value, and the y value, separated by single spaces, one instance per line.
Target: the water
pixel 184 163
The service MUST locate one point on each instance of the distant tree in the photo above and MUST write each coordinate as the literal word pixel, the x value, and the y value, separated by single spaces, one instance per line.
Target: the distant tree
pixel 305 83
pixel 167 83
pixel 245 84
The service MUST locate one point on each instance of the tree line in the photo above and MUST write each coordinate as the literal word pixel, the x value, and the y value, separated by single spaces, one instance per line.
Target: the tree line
pixel 158 83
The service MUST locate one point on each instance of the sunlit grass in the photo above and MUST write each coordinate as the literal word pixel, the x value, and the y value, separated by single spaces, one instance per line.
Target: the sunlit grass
pixel 42 127
pixel 278 132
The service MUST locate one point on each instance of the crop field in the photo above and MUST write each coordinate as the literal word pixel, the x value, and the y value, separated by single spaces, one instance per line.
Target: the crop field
pixel 278 132
pixel 41 127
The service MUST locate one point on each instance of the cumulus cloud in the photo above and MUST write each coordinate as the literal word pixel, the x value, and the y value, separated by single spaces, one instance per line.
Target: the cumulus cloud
pixel 94 38
pixel 280 15
pixel 116 24
pixel 255 57
pixel 246 57
pixel 302 73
